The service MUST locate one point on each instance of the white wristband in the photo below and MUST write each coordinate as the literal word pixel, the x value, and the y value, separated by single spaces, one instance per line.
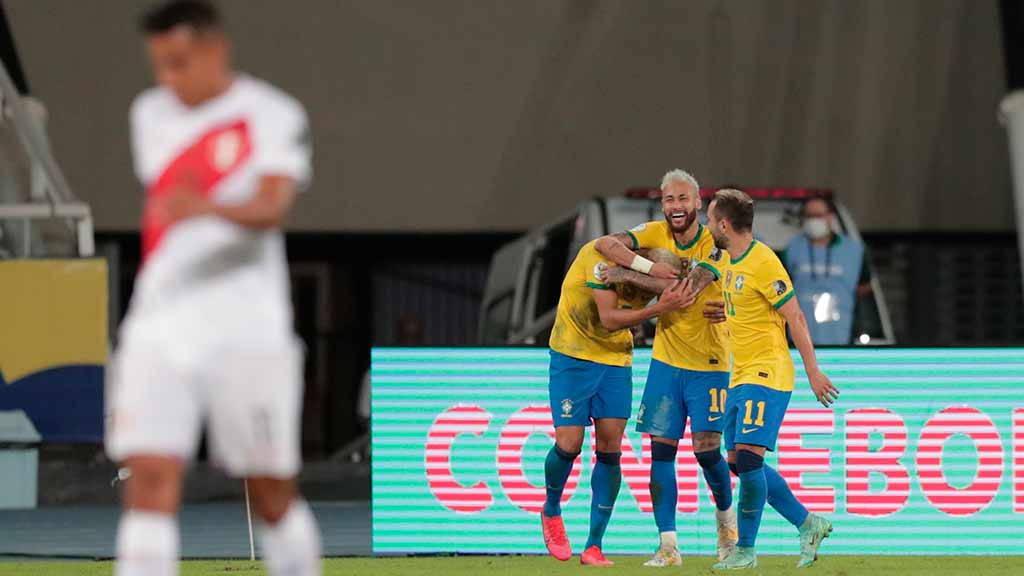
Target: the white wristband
pixel 641 264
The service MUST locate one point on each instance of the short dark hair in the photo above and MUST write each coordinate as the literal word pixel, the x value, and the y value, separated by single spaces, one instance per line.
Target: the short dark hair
pixel 199 15
pixel 829 205
pixel 736 207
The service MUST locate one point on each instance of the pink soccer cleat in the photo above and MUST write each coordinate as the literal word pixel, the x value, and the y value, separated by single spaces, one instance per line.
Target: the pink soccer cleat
pixel 555 538
pixel 594 557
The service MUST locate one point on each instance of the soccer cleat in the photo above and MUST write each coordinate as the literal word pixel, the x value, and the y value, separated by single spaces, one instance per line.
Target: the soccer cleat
pixel 665 556
pixel 594 557
pixel 728 533
pixel 555 538
pixel 812 533
pixel 740 559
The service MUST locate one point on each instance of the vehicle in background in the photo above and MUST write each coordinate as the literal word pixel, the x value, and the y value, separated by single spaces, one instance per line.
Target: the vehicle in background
pixel 525 276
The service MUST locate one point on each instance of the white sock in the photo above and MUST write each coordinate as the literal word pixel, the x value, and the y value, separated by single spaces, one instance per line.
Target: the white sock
pixel 292 546
pixel 668 540
pixel 147 544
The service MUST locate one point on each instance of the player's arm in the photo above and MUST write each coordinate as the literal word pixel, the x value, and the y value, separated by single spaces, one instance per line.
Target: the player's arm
pixel 267 209
pixel 823 389
pixel 702 275
pixel 617 248
pixel 613 318
pixel 621 275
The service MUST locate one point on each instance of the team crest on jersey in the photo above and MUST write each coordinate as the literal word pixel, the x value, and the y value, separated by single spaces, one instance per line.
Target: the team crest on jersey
pixel 566 408
pixel 715 255
pixel 739 282
pixel 640 414
pixel 638 228
pixel 599 269
pixel 226 149
pixel 779 286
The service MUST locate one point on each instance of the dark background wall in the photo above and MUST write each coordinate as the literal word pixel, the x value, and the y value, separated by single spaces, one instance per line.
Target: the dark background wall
pixel 461 115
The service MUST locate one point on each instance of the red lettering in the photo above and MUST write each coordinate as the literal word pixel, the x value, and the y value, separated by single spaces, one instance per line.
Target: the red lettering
pixel 687 474
pixel 795 460
pixel 861 462
pixel 448 491
pixel 636 470
pixel 535 419
pixel 979 427
pixel 1018 460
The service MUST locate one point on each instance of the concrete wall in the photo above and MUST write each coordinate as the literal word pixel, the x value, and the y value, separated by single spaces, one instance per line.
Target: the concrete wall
pixel 490 115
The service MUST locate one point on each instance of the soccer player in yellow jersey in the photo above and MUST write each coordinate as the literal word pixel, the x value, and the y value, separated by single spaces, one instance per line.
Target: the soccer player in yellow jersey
pixel 759 304
pixel 591 380
pixel 689 372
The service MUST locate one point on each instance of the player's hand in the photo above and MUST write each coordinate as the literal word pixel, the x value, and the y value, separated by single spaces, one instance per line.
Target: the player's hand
pixel 823 389
pixel 181 203
pixel 714 312
pixel 662 270
pixel 676 297
pixel 612 274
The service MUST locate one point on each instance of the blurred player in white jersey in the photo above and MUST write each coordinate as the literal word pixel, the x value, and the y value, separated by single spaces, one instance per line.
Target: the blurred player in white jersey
pixel 208 337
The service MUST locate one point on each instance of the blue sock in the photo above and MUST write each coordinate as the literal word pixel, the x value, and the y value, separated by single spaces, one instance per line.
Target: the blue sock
pixel 604 483
pixel 753 494
pixel 664 491
pixel 716 474
pixel 557 468
pixel 782 499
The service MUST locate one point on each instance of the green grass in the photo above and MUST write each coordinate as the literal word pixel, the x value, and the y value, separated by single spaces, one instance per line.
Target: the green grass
pixel 544 566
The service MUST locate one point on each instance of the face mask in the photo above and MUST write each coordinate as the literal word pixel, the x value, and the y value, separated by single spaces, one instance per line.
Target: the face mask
pixel 817 227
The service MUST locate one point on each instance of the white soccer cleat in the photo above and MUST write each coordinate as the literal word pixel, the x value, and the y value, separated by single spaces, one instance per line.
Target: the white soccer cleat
pixel 665 557
pixel 728 532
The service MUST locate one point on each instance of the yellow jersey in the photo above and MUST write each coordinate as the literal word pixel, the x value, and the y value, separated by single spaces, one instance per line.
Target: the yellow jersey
pixel 578 331
pixel 684 338
pixel 756 285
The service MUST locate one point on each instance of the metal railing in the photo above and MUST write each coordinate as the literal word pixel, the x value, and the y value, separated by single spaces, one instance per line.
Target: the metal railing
pixel 44 205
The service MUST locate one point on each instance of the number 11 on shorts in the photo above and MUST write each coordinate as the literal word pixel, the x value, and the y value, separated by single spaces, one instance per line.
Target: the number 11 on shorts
pixel 760 413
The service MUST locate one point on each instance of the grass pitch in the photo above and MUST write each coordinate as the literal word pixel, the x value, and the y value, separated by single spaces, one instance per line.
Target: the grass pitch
pixel 545 566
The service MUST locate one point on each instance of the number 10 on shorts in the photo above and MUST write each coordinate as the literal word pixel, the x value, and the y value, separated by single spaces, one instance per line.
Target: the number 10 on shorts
pixel 718 396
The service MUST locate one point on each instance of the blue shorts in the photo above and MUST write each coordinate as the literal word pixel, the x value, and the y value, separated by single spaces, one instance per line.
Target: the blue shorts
pixel 753 415
pixel 581 390
pixel 671 394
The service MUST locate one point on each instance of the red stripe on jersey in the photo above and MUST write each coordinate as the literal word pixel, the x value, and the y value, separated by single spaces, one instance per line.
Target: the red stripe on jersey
pixel 203 165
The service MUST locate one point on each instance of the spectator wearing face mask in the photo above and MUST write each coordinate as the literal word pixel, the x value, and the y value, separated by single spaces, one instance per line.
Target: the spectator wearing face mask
pixel 829 273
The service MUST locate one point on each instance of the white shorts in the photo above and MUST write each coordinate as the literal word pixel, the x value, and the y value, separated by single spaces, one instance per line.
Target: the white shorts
pixel 248 394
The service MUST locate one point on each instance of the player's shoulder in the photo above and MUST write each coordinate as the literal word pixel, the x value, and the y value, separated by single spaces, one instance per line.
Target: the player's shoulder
pixel 270 99
pixel 151 101
pixel 765 258
pixel 652 226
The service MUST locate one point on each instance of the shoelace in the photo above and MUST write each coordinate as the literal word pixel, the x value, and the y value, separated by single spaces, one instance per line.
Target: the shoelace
pixel 558 530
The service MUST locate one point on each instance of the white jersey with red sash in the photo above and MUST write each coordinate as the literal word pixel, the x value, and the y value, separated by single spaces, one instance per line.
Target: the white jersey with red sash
pixel 207 277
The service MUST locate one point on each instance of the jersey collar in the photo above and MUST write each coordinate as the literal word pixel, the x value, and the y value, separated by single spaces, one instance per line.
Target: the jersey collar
pixel 744 255
pixel 690 244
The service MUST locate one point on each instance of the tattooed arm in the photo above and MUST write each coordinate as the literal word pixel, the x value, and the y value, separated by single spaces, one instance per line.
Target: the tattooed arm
pixel 616 247
pixel 700 277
